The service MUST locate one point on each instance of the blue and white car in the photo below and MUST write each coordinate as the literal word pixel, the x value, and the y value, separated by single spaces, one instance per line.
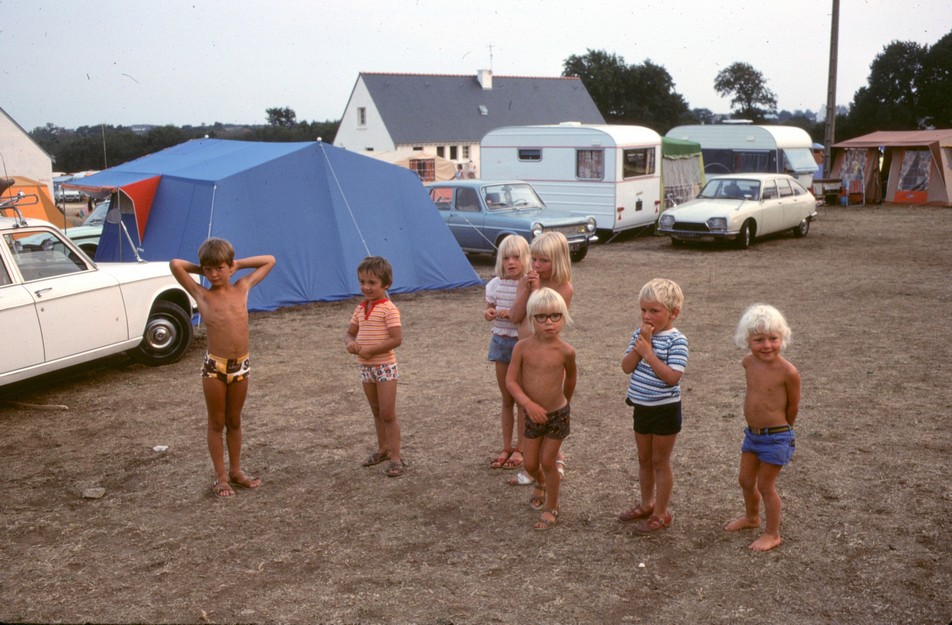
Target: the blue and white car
pixel 740 207
pixel 481 213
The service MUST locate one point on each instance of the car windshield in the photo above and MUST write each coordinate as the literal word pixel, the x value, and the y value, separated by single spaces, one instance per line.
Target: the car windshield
pixel 508 196
pixel 731 188
pixel 98 216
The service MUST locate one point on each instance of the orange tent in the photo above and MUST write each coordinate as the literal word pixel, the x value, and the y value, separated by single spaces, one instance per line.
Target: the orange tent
pixel 42 208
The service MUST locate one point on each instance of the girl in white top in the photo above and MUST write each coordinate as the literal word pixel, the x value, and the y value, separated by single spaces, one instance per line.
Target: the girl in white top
pixel 512 263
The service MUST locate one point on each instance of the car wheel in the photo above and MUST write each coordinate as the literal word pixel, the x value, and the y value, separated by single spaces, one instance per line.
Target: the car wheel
pixel 745 236
pixel 578 254
pixel 802 229
pixel 168 333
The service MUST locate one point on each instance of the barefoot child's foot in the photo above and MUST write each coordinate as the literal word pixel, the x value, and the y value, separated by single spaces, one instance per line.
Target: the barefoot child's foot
pixel 742 523
pixel 765 542
pixel 244 481
pixel 222 489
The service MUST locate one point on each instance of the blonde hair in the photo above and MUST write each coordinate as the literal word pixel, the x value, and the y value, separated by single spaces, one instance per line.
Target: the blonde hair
pixel 762 318
pixel 545 300
pixel 513 245
pixel 555 246
pixel 663 291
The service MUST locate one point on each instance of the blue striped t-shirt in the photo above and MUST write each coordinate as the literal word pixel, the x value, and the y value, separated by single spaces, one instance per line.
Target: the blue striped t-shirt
pixel 645 387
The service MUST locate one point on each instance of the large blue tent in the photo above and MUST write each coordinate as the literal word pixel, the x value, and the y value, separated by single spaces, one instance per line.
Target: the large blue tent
pixel 318 209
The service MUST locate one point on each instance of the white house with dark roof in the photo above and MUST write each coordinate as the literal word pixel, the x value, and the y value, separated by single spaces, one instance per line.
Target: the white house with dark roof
pixel 20 155
pixel 448 115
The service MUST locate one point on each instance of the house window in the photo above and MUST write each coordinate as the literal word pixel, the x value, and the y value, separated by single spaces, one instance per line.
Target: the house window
pixel 637 162
pixel 590 164
pixel 530 154
pixel 452 152
pixel 361 116
pixel 440 151
pixel 465 152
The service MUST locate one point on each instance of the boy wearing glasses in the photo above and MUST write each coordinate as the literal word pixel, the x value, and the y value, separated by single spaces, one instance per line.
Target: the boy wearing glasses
pixel 541 378
pixel 656 358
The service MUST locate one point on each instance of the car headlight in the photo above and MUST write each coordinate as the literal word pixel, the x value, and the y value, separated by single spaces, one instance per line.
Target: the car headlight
pixel 591 224
pixel 717 223
pixel 666 221
pixel 536 229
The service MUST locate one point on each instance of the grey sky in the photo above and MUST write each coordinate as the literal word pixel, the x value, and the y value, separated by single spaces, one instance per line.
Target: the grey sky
pixel 125 62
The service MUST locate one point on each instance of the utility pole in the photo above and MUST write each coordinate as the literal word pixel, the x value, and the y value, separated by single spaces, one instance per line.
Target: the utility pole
pixel 830 130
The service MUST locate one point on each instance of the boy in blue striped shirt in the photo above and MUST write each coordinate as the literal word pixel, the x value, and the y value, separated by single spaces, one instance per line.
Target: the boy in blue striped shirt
pixel 656 358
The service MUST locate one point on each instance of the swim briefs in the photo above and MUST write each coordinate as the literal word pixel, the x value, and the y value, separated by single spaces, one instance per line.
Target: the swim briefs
pixel 228 370
pixel 556 425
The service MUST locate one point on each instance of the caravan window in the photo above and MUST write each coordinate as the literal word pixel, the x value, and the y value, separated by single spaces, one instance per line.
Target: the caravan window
pixel 530 154
pixel 590 164
pixel 638 162
pixel 752 162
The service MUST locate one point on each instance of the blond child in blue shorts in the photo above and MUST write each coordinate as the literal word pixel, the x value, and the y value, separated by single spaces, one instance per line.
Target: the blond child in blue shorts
pixel 373 334
pixel 771 405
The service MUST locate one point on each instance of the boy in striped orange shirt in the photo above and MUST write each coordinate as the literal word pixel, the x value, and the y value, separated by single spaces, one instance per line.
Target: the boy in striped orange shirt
pixel 374 332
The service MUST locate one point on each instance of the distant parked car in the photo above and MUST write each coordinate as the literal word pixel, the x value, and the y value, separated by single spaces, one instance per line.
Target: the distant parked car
pixel 60 309
pixel 740 207
pixel 88 234
pixel 63 194
pixel 481 213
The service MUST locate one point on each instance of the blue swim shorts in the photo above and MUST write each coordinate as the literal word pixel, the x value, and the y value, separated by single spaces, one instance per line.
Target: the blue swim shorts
pixel 500 348
pixel 770 448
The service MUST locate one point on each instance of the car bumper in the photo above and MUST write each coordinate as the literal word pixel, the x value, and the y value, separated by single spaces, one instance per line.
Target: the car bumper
pixel 695 235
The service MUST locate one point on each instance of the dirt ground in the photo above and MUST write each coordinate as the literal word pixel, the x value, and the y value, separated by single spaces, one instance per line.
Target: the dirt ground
pixel 867 498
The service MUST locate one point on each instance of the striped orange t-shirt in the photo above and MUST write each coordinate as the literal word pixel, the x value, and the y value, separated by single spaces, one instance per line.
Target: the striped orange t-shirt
pixel 373 321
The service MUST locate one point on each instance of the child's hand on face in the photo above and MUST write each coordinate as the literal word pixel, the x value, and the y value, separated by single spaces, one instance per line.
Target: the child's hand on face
pixel 532 279
pixel 643 344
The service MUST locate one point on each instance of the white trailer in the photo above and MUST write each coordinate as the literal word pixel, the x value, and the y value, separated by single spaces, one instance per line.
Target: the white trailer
pixel 748 148
pixel 612 173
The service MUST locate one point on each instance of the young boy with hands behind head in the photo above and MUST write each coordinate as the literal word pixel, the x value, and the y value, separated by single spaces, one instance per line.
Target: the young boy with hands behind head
pixel 224 308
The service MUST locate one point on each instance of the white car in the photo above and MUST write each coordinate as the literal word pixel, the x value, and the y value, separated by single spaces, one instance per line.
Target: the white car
pixel 58 308
pixel 740 207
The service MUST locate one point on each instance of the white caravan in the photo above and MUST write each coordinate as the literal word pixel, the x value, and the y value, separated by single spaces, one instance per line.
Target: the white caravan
pixel 746 148
pixel 610 172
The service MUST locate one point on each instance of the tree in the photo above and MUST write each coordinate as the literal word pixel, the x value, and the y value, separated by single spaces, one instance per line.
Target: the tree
pixel 748 89
pixel 935 97
pixel 603 75
pixel 891 99
pixel 283 117
pixel 629 94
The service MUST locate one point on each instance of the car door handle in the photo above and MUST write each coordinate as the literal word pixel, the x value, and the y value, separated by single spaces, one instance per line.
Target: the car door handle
pixel 42 291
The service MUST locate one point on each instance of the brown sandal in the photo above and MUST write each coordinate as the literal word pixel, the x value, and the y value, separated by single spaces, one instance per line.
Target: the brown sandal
pixel 654 523
pixel 633 514
pixel 543 524
pixel 537 502
pixel 500 461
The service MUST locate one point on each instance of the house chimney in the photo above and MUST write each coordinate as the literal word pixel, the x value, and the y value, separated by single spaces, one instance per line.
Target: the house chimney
pixel 485 78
